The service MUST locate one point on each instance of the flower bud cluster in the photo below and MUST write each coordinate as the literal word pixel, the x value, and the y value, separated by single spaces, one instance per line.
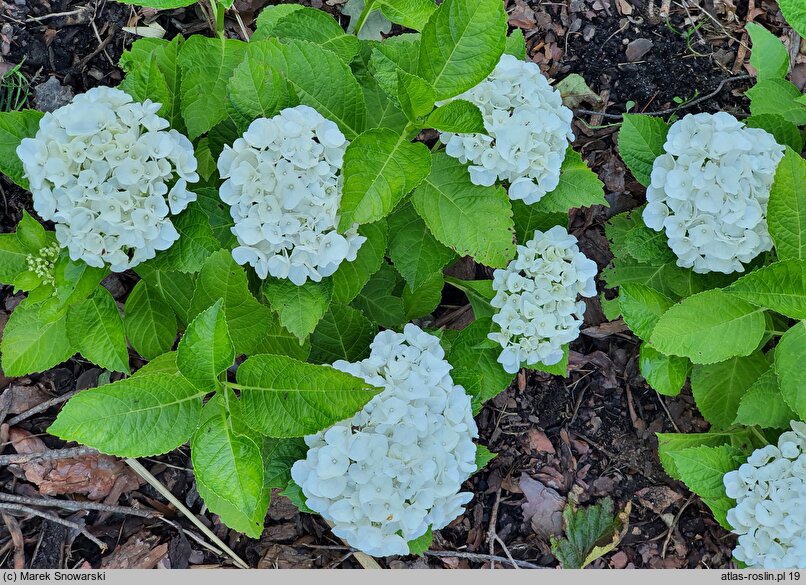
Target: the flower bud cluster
pixel 42 264
pixel 710 192
pixel 394 469
pixel 536 297
pixel 283 186
pixel 101 168
pixel 770 494
pixel 528 131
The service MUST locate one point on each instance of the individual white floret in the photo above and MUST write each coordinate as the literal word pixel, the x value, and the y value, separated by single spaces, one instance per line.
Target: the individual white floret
pixel 283 186
pixel 528 129
pixel 101 168
pixel 394 469
pixel 536 297
pixel 770 494
pixel 709 192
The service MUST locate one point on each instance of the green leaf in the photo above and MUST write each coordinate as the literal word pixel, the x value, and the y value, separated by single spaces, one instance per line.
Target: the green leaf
pixel 195 244
pixel 32 344
pixel 781 287
pixel 412 14
pixel 786 211
pixel 344 333
pixel 516 44
pixel 206 348
pixel 470 219
pixel 300 307
pixel 416 254
pixel 478 292
pixel 351 277
pixel 14 126
pixel 279 455
pixel 579 187
pixel 790 354
pixel 795 14
pixel 702 469
pixel 777 96
pixel 640 142
pixel 398 53
pixel 75 281
pixel 13 258
pixel 575 91
pixel 769 56
pixel 377 299
pixel 282 397
pixel 248 321
pixel 316 26
pixel 483 457
pixel 763 404
pixel 294 493
pixel 319 79
pixel 647 245
pixel 424 299
pixel 415 94
pixel 175 288
pixel 475 363
pixel 96 331
pixel 383 111
pixel 276 339
pixel 149 321
pixel 670 443
pixel 642 307
pixel 257 91
pixel 269 17
pixel 586 529
pixel 137 417
pixel 228 467
pixel 528 219
pixel 666 374
pixel 718 388
pixel 461 44
pixel 785 132
pixel 709 327
pixel 558 369
pixel 207 65
pixel 145 81
pixel 218 215
pixel 421 544
pixel 380 169
pixel 459 116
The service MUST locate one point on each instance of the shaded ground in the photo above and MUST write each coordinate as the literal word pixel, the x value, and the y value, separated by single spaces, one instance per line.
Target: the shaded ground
pixel 587 437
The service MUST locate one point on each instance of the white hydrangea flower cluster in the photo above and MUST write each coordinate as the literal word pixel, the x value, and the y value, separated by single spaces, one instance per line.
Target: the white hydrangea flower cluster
pixel 770 494
pixel 101 168
pixel 394 469
pixel 529 131
pixel 283 185
pixel 710 192
pixel 536 297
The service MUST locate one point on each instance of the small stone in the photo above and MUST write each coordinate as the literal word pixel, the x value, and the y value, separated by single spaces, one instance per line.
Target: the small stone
pixel 637 49
pixel 51 95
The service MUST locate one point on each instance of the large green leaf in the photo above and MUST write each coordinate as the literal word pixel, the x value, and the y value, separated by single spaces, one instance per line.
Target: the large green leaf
pixel 647 245
pixel 459 116
pixel 424 299
pixel 279 455
pixel 790 354
pixel 671 443
pixel 149 321
pixel 786 211
pixel 137 417
pixel 528 219
pixel 470 219
pixel 579 187
pixel 228 467
pixel 702 469
pixel 248 321
pixel 283 397
pixel 718 388
pixel 32 344
pixel 300 308
pixel 395 54
pixel 640 142
pixel 175 288
pixel 794 12
pixel 269 17
pixel 343 334
pixel 780 287
pixel 709 327
pixel 316 26
pixel 96 331
pixel 412 14
pixel 383 111
pixel 206 349
pixel 13 258
pixel 257 91
pixel 642 307
pixel 769 56
pixel 14 126
pixel 195 244
pixel 351 277
pixel 461 44
pixel 415 95
pixel 378 301
pixel 416 253
pixel 777 96
pixel 665 373
pixel 764 405
pixel 144 80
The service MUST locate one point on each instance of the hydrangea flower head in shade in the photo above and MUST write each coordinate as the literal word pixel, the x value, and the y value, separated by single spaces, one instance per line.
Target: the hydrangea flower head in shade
pixel 536 297
pixel 107 171
pixel 709 192
pixel 394 469
pixel 770 494
pixel 528 131
pixel 283 186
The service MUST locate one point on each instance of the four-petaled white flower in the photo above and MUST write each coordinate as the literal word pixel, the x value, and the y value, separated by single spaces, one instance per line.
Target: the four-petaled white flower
pixel 283 186
pixel 709 192
pixel 536 297
pixel 395 468
pixel 528 131
pixel 770 494
pixel 100 168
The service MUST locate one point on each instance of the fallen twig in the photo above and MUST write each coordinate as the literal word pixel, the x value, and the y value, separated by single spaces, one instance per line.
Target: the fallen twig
pixel 74 505
pixel 16 539
pixel 41 407
pixel 47 455
pixel 482 557
pixel 53 518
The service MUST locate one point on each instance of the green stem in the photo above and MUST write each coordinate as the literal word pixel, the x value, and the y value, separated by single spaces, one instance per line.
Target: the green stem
pixel 758 433
pixel 369 6
pixel 218 15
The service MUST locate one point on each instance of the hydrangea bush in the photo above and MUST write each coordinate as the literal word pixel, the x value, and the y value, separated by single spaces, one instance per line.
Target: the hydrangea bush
pixel 711 276
pixel 285 218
